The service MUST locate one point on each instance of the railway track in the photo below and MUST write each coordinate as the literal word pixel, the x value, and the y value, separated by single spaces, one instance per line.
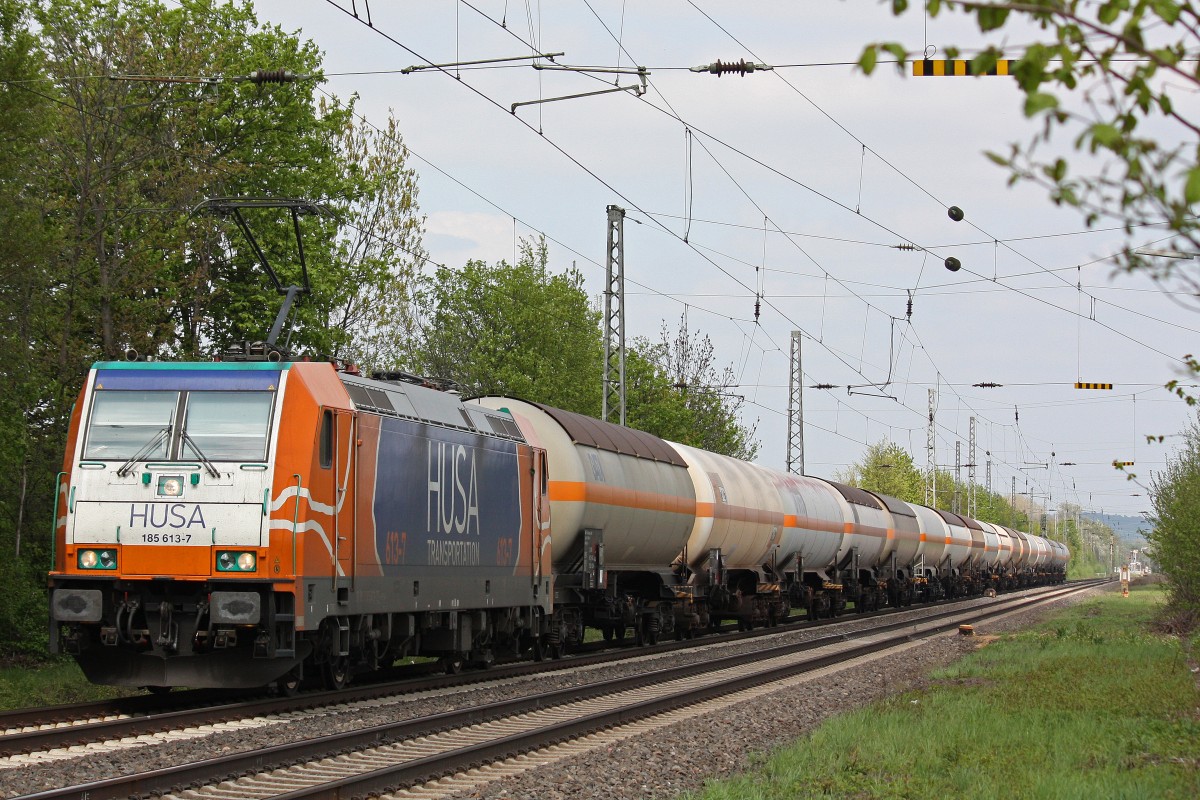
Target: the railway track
pixel 398 754
pixel 38 730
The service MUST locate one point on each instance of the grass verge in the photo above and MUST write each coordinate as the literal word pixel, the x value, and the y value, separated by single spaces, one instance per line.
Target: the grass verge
pixel 1090 704
pixel 49 684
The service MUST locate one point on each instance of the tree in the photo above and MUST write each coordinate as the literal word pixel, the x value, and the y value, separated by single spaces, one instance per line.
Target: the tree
pixel 674 390
pixel 99 172
pixel 380 246
pixel 887 468
pixel 1109 73
pixel 519 330
pixel 1175 497
pixel 131 158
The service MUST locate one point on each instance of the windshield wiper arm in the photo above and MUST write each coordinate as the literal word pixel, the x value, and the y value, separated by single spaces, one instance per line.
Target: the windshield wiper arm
pixel 208 465
pixel 164 433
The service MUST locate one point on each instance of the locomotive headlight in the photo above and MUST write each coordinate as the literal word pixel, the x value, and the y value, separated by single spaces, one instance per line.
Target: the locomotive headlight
pixel 234 561
pixel 97 559
pixel 170 486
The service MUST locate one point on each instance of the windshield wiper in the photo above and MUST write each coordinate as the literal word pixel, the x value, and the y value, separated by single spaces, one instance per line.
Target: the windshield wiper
pixel 164 433
pixel 208 465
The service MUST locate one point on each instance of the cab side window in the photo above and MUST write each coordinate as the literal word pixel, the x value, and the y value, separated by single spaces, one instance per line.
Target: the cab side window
pixel 326 446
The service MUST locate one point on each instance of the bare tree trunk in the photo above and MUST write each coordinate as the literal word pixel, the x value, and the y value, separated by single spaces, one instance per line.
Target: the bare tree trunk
pixel 21 503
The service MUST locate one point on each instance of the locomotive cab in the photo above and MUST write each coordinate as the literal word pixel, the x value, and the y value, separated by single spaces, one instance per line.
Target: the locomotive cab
pixel 162 541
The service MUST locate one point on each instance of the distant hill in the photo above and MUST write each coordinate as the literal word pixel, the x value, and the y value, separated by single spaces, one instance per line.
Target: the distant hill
pixel 1126 527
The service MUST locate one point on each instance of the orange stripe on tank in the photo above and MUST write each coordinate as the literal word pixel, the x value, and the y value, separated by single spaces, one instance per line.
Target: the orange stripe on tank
pixel 581 492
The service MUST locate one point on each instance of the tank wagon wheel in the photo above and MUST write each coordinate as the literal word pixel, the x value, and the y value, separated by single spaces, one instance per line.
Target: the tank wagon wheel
pixel 337 672
pixel 451 665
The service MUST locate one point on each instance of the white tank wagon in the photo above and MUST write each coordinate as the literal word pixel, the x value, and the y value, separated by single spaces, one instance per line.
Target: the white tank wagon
pixel 622 506
pixel 1021 567
pixel 947 548
pixel 758 533
pixel 662 538
pixel 1039 556
pixel 1059 559
pixel 904 546
pixel 992 567
pixel 863 546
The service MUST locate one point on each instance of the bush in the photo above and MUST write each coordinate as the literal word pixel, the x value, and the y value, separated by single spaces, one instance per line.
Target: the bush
pixel 23 612
pixel 1175 494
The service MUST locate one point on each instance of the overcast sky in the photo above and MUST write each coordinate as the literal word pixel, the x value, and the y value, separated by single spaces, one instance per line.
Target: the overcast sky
pixel 797 185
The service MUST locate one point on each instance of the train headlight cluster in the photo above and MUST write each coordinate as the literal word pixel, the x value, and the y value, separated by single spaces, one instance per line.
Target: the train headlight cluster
pixel 236 561
pixel 97 559
pixel 170 486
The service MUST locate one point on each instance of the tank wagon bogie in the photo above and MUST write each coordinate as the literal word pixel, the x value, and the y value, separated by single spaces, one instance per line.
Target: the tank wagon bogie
pixel 239 524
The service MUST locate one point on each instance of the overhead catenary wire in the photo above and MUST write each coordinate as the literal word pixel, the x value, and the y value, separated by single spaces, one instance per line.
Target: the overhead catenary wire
pixel 785 316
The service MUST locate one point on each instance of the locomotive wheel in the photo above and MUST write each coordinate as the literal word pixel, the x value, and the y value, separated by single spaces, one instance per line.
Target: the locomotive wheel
pixel 608 634
pixel 452 665
pixel 337 673
pixel 288 685
pixel 619 633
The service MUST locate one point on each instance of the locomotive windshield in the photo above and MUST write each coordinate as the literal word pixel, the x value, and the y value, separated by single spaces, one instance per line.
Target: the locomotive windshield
pixel 222 426
pixel 125 422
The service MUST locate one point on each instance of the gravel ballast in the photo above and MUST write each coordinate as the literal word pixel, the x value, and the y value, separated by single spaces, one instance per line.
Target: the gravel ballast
pixel 660 765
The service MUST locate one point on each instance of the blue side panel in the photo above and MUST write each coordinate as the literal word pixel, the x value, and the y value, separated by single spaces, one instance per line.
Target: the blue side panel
pixel 445 498
pixel 187 378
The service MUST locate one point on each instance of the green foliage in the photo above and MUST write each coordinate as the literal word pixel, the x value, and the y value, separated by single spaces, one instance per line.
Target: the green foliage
pixel 1109 75
pixel 529 332
pixel 519 330
pixel 887 468
pixel 1086 705
pixel 674 390
pixel 1175 496
pixel 50 684
pixel 98 176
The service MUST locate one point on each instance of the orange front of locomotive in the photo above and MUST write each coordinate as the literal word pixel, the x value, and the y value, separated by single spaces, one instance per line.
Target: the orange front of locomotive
pixel 170 568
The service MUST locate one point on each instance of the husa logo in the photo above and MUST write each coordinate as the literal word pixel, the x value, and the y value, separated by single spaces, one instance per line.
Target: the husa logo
pixel 451 507
pixel 163 515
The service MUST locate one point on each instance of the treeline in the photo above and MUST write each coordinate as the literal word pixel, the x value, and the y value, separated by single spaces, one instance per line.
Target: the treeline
pixel 119 119
pixel 888 468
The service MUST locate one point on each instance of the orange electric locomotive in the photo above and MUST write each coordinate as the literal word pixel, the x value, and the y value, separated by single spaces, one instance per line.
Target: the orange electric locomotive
pixel 236 524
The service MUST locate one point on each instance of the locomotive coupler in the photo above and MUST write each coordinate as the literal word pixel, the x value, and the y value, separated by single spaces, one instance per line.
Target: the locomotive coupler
pixel 168 629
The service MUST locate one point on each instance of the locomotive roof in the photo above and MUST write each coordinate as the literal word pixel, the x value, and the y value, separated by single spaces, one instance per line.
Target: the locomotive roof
pixel 428 405
pixel 613 438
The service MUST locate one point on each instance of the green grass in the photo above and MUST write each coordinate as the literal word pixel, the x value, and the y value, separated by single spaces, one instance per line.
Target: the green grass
pixel 49 684
pixel 1088 705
